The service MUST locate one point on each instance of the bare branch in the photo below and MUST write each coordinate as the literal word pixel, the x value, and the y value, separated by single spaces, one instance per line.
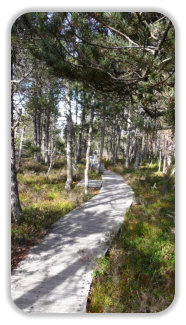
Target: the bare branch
pixel 163 39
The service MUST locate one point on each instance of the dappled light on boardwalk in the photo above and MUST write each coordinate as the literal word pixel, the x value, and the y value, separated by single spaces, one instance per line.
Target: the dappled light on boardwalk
pixel 56 275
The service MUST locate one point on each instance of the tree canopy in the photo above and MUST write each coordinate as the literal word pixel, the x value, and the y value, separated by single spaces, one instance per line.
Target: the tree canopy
pixel 114 52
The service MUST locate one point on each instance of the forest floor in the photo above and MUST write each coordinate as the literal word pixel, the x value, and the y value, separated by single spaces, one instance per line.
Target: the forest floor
pixel 57 273
pixel 137 273
pixel 43 202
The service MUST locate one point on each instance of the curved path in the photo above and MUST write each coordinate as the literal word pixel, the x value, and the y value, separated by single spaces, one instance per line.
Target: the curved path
pixel 56 275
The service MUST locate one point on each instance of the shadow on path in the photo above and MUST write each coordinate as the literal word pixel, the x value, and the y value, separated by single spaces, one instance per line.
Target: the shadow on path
pixel 56 275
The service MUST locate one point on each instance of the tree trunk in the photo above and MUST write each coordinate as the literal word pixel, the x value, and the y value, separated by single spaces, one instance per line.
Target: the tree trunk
pixel 36 136
pixel 169 151
pixel 68 184
pixel 117 141
pixel 138 151
pixel 75 139
pixel 150 151
pixel 145 147
pixel 132 150
pixel 102 143
pixel 47 136
pixel 142 149
pixel 88 148
pixel 39 134
pixel 165 156
pixel 43 126
pixel 81 135
pixel 159 163
pixel 51 145
pixel 127 148
pixel 21 146
pixel 123 150
pixel 111 135
pixel 107 147
pixel 114 142
pixel 164 164
pixel 173 172
pixel 15 203
pixel 52 158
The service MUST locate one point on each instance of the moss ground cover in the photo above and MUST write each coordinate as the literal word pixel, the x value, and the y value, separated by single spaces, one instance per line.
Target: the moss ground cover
pixel 43 202
pixel 137 273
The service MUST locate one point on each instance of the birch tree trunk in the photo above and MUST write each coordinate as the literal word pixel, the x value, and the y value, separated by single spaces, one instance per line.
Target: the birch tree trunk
pixel 132 150
pixel 47 136
pixel 117 141
pixel 170 151
pixel 51 157
pixel 173 172
pixel 68 184
pixel 159 167
pixel 81 135
pixel 142 149
pixel 165 156
pixel 21 146
pixel 102 143
pixel 164 164
pixel 88 148
pixel 39 134
pixel 150 151
pixel 138 151
pixel 111 135
pixel 127 148
pixel 51 163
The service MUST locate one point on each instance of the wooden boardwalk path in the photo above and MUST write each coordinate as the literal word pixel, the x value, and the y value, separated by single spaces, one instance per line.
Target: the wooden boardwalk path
pixel 56 275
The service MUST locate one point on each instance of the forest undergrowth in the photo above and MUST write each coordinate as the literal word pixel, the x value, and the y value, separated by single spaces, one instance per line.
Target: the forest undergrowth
pixel 43 202
pixel 137 275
